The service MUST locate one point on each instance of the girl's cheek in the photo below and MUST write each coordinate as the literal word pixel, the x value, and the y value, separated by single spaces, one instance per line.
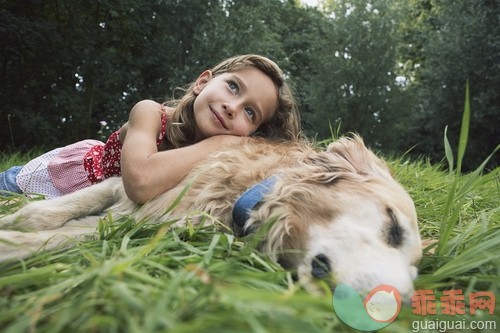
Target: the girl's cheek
pixel 245 130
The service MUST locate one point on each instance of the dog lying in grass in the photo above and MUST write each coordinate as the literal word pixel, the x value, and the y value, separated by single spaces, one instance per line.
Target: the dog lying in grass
pixel 335 214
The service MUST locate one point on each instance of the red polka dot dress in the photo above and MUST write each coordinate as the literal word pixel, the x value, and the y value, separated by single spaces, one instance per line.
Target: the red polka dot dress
pixel 76 166
pixel 102 162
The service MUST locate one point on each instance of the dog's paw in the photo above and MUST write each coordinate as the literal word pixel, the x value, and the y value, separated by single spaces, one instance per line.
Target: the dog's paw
pixel 18 245
pixel 34 216
pixel 8 221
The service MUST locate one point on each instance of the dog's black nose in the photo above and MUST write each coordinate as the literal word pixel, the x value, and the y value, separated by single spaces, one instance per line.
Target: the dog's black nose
pixel 320 266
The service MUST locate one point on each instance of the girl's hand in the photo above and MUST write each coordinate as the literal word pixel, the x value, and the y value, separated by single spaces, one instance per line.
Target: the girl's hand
pixel 147 172
pixel 218 142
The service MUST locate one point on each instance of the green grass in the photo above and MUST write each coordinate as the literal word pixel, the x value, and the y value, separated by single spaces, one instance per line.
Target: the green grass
pixel 143 278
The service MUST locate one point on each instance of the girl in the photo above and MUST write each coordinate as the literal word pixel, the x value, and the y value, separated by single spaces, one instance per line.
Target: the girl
pixel 242 96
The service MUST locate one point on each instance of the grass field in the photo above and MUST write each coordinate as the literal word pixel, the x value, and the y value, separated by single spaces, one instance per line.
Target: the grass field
pixel 142 278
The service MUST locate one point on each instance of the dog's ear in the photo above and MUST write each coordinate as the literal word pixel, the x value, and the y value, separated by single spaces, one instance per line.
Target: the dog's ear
pixel 346 157
pixel 320 167
pixel 351 154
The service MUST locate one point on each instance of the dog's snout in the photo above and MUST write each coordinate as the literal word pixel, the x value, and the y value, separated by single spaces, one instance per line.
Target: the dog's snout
pixel 320 266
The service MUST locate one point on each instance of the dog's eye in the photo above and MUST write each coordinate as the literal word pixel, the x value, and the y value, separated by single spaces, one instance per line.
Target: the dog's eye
pixel 395 232
pixel 320 266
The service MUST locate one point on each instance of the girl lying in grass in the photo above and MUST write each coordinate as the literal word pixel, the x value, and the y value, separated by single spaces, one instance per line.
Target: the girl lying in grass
pixel 240 97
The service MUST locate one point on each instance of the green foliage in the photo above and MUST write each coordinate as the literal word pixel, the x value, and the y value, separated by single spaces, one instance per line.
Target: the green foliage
pixel 459 188
pixel 453 42
pixel 392 71
pixel 353 85
pixel 144 279
pixel 92 62
pixel 139 277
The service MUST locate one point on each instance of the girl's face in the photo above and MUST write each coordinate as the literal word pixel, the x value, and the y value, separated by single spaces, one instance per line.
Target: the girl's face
pixel 234 103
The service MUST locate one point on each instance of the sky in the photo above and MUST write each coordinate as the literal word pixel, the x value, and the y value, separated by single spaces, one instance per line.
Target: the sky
pixel 310 2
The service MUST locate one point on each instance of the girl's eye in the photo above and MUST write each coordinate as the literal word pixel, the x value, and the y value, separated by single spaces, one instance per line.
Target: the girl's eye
pixel 233 85
pixel 250 113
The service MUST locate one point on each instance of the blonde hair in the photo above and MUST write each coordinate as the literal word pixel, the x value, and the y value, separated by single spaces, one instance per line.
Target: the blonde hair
pixel 285 123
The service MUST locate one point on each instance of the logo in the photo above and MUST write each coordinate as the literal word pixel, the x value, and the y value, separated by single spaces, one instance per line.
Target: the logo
pixel 379 308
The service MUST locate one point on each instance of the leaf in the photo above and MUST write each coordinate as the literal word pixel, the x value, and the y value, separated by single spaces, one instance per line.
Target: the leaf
pixel 447 150
pixel 464 131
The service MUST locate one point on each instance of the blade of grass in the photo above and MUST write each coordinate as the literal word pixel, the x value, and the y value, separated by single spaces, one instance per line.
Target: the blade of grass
pixel 464 130
pixel 452 206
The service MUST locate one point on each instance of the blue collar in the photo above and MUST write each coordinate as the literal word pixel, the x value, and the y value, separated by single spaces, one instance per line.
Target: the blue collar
pixel 247 202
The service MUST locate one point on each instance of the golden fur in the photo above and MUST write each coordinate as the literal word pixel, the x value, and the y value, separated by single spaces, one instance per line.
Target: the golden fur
pixel 340 203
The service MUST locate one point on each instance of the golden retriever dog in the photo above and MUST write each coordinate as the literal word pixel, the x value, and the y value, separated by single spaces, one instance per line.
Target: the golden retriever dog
pixel 334 214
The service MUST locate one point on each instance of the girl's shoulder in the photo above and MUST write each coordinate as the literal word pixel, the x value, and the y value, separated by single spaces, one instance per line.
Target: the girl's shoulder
pixel 167 110
pixel 146 117
pixel 149 111
pixel 146 105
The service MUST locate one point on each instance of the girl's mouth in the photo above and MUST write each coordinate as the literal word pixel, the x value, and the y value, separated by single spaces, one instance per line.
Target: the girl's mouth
pixel 218 118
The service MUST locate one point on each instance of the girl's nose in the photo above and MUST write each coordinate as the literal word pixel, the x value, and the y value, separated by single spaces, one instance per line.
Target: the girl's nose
pixel 230 109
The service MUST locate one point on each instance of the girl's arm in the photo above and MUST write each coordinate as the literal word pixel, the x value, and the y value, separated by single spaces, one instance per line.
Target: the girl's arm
pixel 146 172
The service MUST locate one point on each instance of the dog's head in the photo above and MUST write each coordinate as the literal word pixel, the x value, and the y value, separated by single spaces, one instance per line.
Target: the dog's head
pixel 341 216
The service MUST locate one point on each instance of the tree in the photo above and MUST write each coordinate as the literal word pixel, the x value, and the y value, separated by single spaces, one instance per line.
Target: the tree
pixel 67 65
pixel 355 86
pixel 455 41
pixel 392 70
